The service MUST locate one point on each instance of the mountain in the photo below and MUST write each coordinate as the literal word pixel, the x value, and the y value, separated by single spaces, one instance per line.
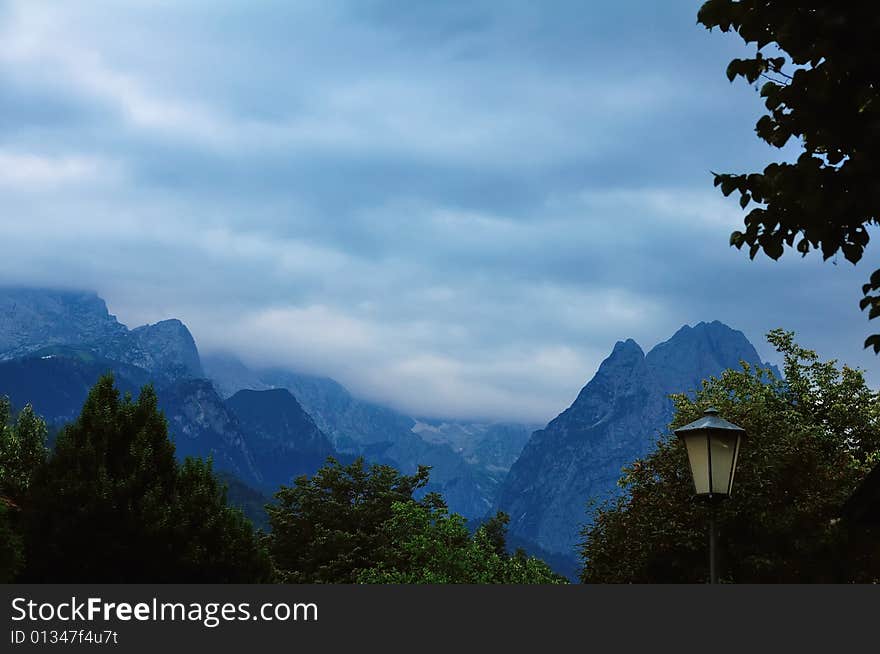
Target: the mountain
pixel 494 446
pixel 230 375
pixel 166 347
pixel 377 433
pixel 616 418
pixel 283 438
pixel 57 380
pixel 251 501
pixel 35 319
pixel 201 425
pixel 55 344
pixel 382 435
pixel 31 319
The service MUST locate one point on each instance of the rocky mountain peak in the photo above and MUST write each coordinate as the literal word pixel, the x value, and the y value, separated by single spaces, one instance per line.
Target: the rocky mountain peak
pixel 627 348
pixel 33 319
pixel 616 418
pixel 168 346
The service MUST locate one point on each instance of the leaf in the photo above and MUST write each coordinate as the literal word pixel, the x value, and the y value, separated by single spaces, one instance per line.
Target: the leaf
pixel 852 252
pixel 734 68
pixel 773 248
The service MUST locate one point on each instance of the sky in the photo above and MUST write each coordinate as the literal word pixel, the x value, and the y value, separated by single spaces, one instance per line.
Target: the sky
pixel 455 209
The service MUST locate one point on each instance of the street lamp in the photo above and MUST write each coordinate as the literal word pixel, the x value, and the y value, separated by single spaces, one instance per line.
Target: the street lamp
pixel 713 448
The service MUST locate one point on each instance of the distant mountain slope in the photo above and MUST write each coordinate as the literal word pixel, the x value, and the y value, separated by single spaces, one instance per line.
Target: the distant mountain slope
pixel 283 438
pixel 56 381
pixel 230 375
pixel 201 425
pixel 34 319
pixel 383 435
pixel 251 501
pixel 494 446
pixel 31 319
pixel 378 433
pixel 616 418
pixel 166 347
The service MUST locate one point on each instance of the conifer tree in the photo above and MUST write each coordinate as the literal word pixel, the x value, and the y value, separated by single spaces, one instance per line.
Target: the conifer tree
pixel 113 505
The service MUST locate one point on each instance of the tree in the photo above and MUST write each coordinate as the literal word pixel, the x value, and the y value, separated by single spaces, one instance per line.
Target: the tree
pixel 113 505
pixel 353 523
pixel 811 438
pixel 11 550
pixel 326 529
pixel 425 544
pixel 824 91
pixel 22 451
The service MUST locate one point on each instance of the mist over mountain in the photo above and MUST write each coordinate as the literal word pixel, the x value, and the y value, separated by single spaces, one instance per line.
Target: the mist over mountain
pixel 617 417
pixel 264 427
pixel 495 446
pixel 377 433
pixel 55 344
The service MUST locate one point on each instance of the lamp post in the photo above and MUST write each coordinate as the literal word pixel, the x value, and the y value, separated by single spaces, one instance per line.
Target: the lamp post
pixel 713 449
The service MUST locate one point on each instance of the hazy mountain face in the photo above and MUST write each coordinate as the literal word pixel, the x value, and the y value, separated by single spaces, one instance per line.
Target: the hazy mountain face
pixel 468 483
pixel 617 418
pixel 283 438
pixel 201 425
pixel 35 319
pixel 32 319
pixel 57 380
pixel 494 446
pixel 55 344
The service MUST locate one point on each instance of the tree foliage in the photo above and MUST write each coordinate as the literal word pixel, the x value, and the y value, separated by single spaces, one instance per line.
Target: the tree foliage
pixel 113 505
pixel 326 528
pixel 425 544
pixel 811 438
pixel 824 91
pixel 363 524
pixel 22 451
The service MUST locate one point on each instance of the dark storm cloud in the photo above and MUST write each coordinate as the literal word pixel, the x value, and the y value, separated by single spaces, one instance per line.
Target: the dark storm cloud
pixel 455 207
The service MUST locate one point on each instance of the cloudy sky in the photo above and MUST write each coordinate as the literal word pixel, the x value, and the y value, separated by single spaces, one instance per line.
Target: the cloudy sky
pixel 455 208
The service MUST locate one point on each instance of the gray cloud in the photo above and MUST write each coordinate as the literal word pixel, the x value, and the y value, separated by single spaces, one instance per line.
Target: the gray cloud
pixel 456 209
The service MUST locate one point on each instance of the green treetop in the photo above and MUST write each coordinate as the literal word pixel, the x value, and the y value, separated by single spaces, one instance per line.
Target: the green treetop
pixel 811 438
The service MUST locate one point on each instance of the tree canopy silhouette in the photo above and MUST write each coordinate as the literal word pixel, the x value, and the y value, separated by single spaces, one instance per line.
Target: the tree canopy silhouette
pixel 112 504
pixel 823 89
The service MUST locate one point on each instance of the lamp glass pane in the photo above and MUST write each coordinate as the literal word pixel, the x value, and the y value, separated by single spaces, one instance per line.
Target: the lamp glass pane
pixel 724 450
pixel 735 459
pixel 698 457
